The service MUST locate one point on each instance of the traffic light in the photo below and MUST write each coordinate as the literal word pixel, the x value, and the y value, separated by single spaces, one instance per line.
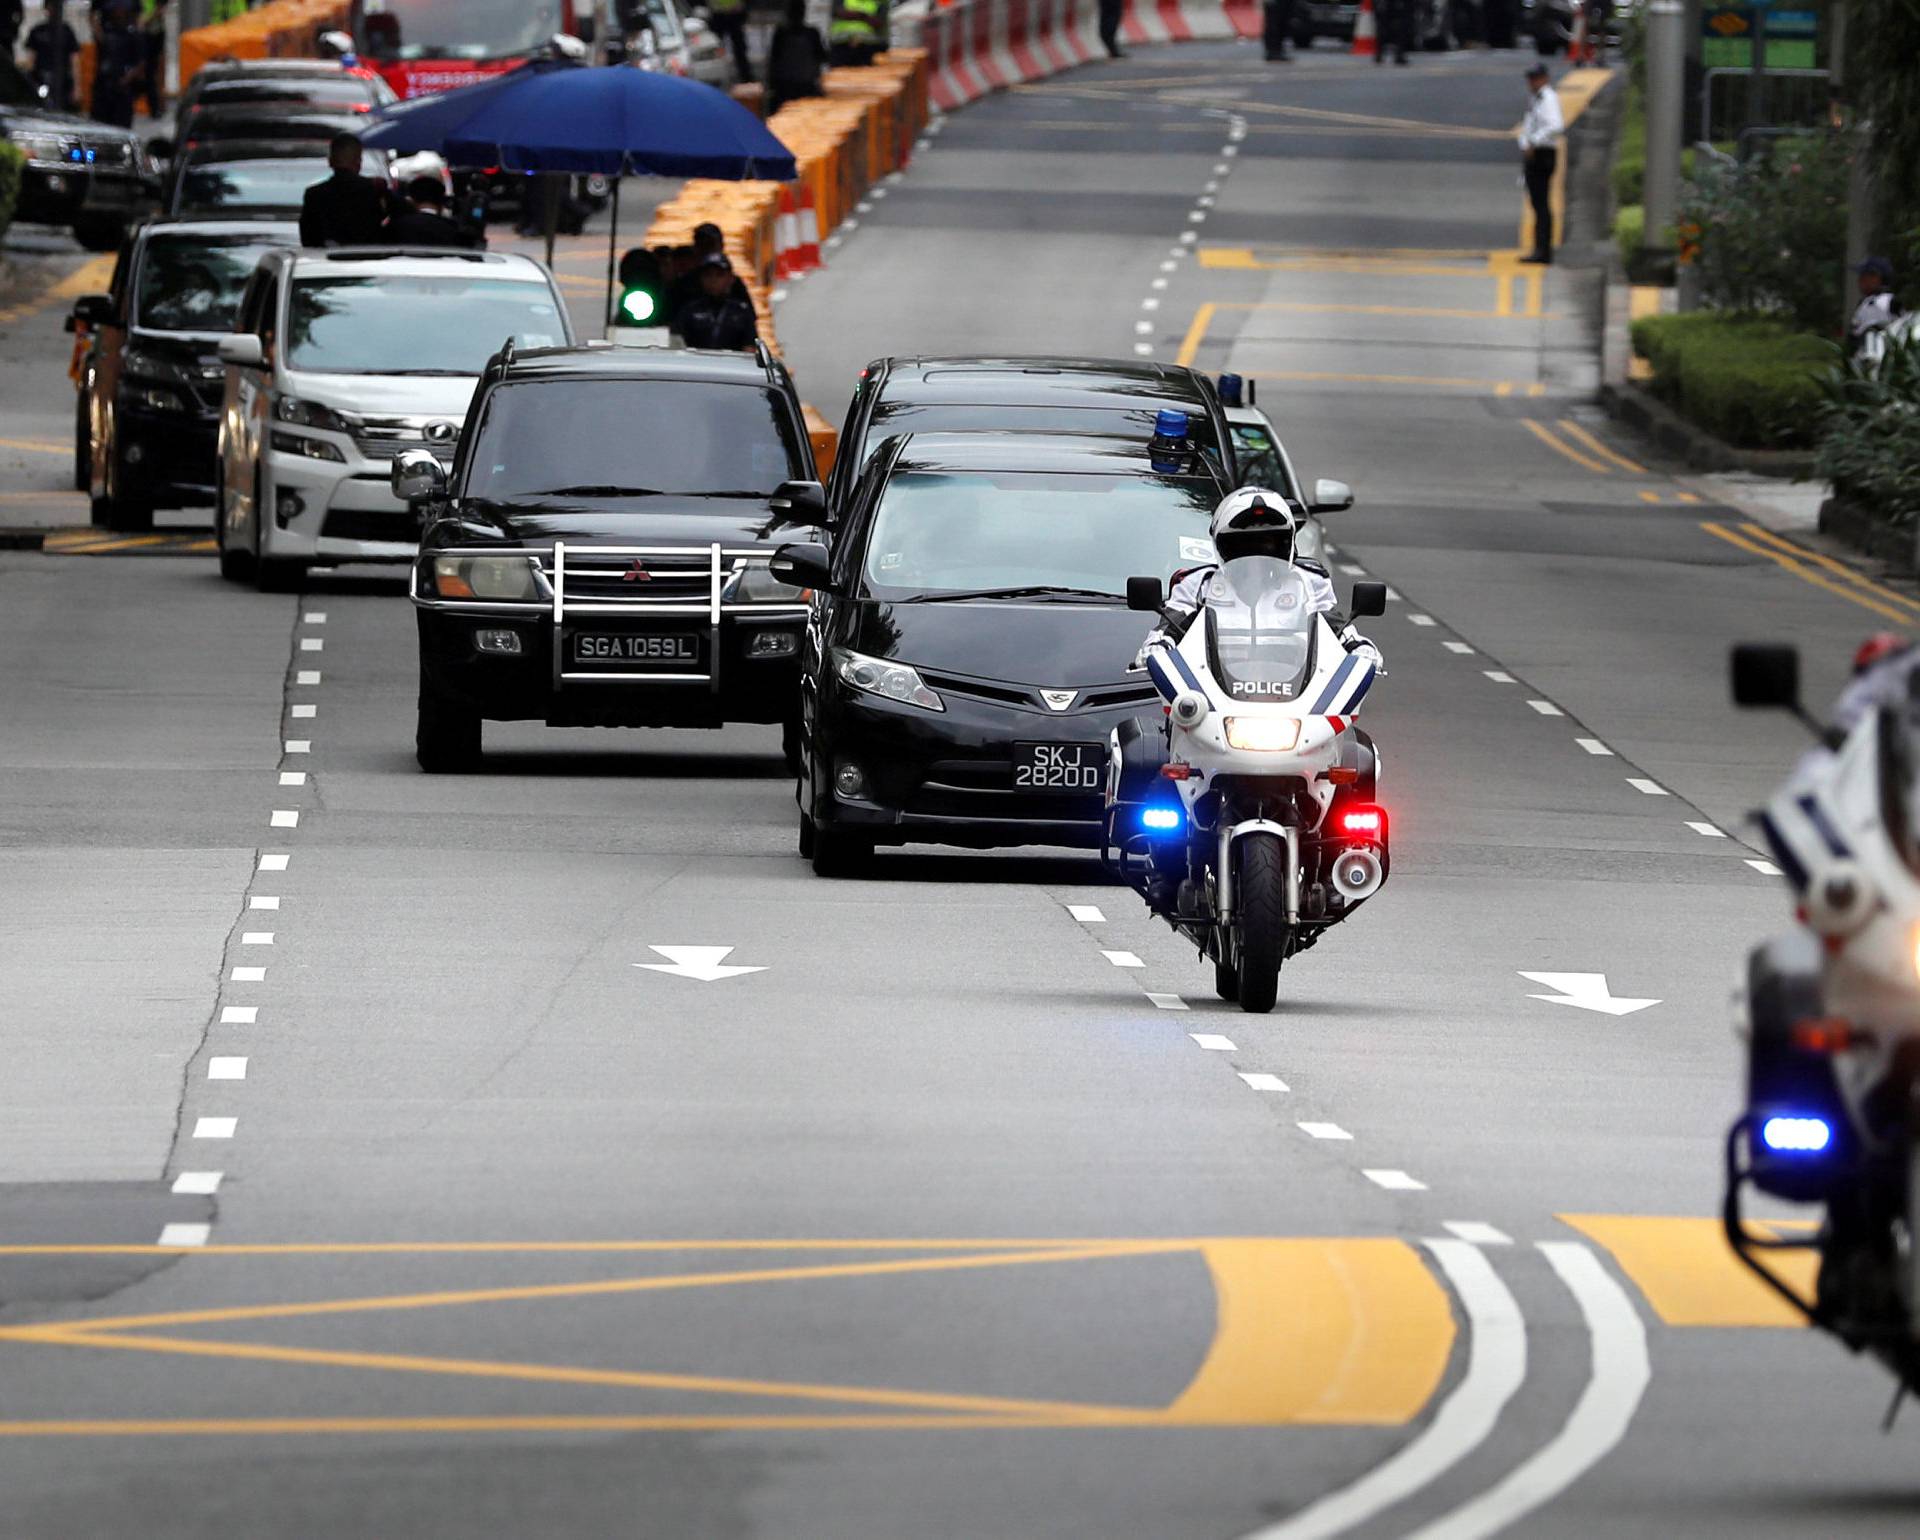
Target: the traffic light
pixel 643 292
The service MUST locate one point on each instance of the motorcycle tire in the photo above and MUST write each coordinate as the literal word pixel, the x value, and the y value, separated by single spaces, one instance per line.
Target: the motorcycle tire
pixel 1260 901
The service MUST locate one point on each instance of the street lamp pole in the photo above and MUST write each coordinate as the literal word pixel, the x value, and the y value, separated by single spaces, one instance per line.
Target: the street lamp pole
pixel 1666 86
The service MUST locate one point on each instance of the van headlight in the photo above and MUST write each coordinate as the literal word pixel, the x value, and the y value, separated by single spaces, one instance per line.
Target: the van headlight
pixel 311 414
pixel 504 579
pixel 877 676
pixel 1272 735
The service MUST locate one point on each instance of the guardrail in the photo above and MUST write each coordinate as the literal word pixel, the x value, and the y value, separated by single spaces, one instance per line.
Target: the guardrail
pixel 1792 99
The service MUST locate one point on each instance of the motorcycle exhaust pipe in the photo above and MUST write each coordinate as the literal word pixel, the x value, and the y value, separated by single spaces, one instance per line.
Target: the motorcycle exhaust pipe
pixel 1357 874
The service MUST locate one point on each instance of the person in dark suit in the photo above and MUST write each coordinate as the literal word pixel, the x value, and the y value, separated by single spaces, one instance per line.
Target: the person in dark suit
pixel 708 242
pixel 1111 13
pixel 718 317
pixel 1276 30
pixel 422 219
pixel 347 209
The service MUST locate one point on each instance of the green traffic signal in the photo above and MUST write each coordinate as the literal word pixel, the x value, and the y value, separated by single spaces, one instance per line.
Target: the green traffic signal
pixel 638 307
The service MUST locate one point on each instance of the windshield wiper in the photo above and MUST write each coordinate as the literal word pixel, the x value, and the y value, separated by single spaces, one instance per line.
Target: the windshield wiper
pixel 597 489
pixel 1025 591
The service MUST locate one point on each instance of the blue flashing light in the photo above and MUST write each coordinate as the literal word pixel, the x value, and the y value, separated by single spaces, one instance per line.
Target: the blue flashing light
pixel 1161 818
pixel 1171 424
pixel 1232 390
pixel 1796 1135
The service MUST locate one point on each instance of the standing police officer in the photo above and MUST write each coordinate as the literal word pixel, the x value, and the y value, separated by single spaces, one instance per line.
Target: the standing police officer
pixel 728 19
pixel 1396 29
pixel 1540 134
pixel 1276 30
pixel 857 31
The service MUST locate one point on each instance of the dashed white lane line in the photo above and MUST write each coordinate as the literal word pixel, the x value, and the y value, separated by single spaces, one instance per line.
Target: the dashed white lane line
pixel 1498 675
pixel 1476 1232
pixel 258 902
pixel 1149 303
pixel 1169 266
pixel 303 711
pixel 1260 1080
pixel 299 745
pixel 239 1015
pixel 1123 959
pixel 1764 868
pixel 1420 620
pixel 1324 1131
pixel 226 1069
pixel 1144 349
pixel 293 777
pixel 314 618
pixel 1166 1002
pixel 1496 1366
pixel 1394 1181
pixel 285 818
pixel 1460 647
pixel 1617 1378
pixel 257 938
pixel 274 863
pixel 307 676
pixel 311 644
pixel 197 1184
pixel 1188 237
pixel 215 1128
pixel 1143 328
pixel 1087 914
pixel 248 975
pixel 1353 569
pixel 1213 1042
pixel 1650 788
pixel 1711 831
pixel 1595 746
pixel 184 1235
pixel 1546 708
pixel 1393 595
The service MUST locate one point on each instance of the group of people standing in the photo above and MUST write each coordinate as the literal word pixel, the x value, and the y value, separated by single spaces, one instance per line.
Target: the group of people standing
pixel 349 209
pixel 130 38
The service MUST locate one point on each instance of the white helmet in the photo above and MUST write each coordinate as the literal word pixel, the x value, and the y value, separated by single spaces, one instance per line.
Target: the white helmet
pixel 1254 522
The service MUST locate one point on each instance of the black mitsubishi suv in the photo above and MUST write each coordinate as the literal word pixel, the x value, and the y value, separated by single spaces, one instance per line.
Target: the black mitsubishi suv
pixel 92 177
pixel 597 555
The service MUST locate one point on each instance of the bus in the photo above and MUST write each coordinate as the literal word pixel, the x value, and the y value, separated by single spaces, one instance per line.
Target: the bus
pixel 423 46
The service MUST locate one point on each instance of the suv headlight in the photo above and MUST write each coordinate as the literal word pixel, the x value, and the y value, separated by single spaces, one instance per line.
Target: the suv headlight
pixel 500 578
pixel 311 414
pixel 153 366
pixel 41 147
pixel 751 585
pixel 892 681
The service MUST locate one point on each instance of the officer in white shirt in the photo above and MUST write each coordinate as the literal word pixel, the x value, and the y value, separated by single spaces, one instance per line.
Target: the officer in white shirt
pixel 1540 134
pixel 1866 331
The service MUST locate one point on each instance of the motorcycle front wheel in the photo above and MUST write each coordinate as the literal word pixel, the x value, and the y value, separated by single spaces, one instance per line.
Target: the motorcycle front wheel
pixel 1260 907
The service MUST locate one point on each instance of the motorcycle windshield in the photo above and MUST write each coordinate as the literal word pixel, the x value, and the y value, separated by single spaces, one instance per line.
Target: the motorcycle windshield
pixel 1260 628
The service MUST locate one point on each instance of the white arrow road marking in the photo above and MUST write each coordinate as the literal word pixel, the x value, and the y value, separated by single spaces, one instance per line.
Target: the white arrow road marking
pixel 1617 1378
pixel 705 963
pixel 1588 991
pixel 1496 1364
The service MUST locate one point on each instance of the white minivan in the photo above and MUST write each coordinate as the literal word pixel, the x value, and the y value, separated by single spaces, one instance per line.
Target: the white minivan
pixel 338 361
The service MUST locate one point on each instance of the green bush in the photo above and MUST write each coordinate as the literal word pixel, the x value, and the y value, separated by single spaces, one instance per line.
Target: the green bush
pixel 12 163
pixel 1629 229
pixel 1630 150
pixel 1748 380
pixel 1870 432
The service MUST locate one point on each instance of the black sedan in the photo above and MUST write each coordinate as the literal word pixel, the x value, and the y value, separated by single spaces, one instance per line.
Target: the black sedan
pixel 971 646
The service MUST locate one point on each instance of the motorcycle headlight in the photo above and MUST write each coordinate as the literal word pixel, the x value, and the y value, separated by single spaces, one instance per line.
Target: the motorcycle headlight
pixel 1272 735
pixel 311 414
pixel 877 676
pixel 501 578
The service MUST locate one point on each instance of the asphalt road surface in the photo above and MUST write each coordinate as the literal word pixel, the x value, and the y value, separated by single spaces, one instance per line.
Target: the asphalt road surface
pixel 377 1156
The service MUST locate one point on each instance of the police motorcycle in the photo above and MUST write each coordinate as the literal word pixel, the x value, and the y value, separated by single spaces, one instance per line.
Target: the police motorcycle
pixel 1832 1017
pixel 1248 820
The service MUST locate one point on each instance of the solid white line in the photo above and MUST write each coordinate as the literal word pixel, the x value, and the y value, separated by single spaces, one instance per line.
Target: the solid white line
pixel 1213 1041
pixel 314 618
pixel 1324 1131
pixel 293 777
pixel 1477 1232
pixel 276 862
pixel 1167 1002
pixel 307 676
pixel 1498 675
pixel 1546 708
pixel 1764 868
pixel 1709 830
pixel 1456 647
pixel 1617 1378
pixel 303 711
pixel 1123 959
pixel 1651 788
pixel 263 903
pixel 239 1015
pixel 299 745
pixel 248 975
pixel 1496 1364
pixel 1394 1181
pixel 197 1184
pixel 1420 620
pixel 226 1069
pixel 215 1128
pixel 257 938
pixel 1595 746
pixel 311 644
pixel 1260 1080
pixel 285 818
pixel 1087 914
pixel 184 1235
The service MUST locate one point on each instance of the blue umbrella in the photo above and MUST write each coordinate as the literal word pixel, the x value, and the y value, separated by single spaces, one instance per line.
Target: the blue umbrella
pixel 591 120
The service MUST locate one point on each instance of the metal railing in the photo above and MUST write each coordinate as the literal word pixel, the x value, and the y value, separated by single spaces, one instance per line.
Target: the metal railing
pixel 1794 99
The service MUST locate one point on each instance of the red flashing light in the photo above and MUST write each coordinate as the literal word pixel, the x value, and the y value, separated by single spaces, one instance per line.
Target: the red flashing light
pixel 1177 772
pixel 1364 822
pixel 1827 1035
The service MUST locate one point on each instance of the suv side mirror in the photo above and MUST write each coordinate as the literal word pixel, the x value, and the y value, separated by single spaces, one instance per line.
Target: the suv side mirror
pixel 800 502
pixel 1147 594
pixel 802 566
pixel 1766 676
pixel 1331 496
pixel 242 349
pixel 94 310
pixel 417 476
pixel 160 147
pixel 1368 599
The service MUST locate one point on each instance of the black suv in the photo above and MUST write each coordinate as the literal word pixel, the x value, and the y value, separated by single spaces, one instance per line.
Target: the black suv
pixel 597 556
pixel 1025 395
pixel 89 176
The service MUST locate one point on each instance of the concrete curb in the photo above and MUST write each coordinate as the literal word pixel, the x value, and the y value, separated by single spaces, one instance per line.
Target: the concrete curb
pixel 1698 448
pixel 1854 526
pixel 22 539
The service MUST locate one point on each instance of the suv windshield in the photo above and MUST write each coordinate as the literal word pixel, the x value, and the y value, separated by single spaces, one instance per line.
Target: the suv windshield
pixel 951 532
pixel 612 438
pixel 1260 627
pixel 251 184
pixel 353 91
pixel 192 283
pixel 893 418
pixel 445 323
pixel 457 29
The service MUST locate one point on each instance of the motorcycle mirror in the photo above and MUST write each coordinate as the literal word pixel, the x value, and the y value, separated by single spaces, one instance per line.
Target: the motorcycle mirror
pixel 1368 599
pixel 1766 675
pixel 1147 594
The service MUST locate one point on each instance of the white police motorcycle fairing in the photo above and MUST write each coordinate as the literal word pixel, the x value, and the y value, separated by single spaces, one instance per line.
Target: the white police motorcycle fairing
pixel 1832 1015
pixel 1248 822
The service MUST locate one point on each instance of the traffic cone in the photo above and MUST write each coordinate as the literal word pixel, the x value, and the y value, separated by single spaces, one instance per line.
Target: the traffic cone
pixel 786 238
pixel 806 251
pixel 1366 35
pixel 1580 50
